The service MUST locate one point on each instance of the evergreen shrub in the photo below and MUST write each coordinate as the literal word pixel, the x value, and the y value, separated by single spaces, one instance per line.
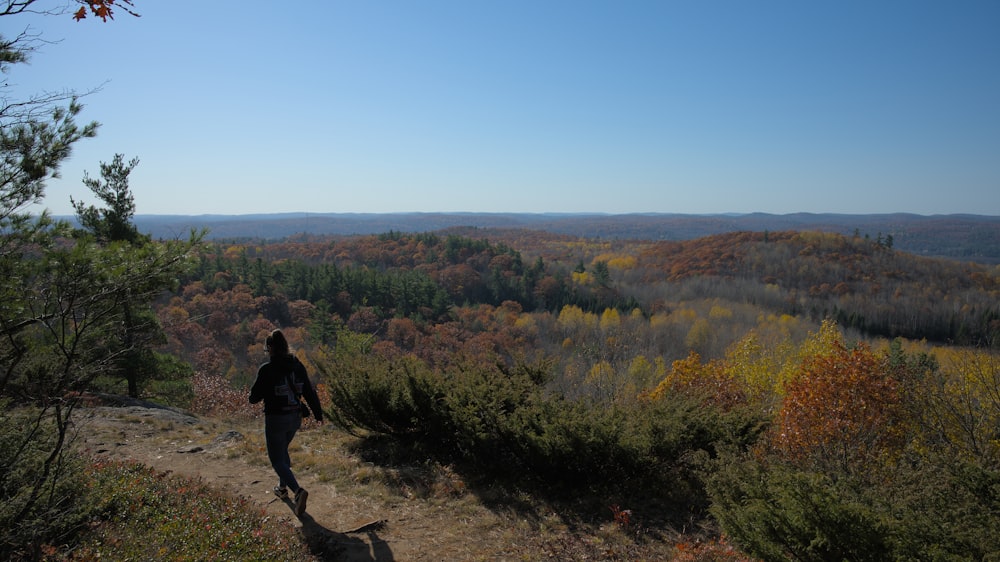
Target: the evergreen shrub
pixel 390 397
pixel 503 421
pixel 775 512
pixel 932 508
pixel 943 509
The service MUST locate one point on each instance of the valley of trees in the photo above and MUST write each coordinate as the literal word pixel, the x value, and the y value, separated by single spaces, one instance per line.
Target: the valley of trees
pixel 423 293
pixel 725 374
pixel 804 395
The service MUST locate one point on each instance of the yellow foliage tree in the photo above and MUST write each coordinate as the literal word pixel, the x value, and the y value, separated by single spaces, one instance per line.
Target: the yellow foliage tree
pixel 707 381
pixel 958 406
pixel 758 366
pixel 821 343
pixel 718 312
pixel 642 373
pixel 610 319
pixel 700 335
pixel 604 381
pixel 527 323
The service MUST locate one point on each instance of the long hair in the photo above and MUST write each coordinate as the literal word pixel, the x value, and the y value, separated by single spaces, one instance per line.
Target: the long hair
pixel 276 344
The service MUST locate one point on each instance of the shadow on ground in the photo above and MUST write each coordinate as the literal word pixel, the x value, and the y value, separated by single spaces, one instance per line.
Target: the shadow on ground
pixel 328 544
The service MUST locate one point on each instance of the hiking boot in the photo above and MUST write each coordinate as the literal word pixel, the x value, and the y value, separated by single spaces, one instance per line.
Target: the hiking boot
pixel 280 492
pixel 300 501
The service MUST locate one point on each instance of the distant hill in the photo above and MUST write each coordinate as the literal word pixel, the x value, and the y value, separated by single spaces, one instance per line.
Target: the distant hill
pixel 964 237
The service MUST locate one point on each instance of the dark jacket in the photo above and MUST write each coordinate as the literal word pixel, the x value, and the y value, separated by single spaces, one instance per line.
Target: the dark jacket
pixel 271 386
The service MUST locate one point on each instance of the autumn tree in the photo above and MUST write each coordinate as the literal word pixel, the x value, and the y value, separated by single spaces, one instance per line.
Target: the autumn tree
pixel 708 382
pixel 104 9
pixel 843 411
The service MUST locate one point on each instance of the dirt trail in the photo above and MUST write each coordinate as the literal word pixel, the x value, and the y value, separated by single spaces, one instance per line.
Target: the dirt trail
pixel 409 529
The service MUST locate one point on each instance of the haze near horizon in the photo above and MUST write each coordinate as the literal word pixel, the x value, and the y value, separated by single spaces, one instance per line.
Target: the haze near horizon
pixel 558 106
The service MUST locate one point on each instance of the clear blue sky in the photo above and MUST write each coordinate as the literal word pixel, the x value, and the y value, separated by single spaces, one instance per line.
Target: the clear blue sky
pixel 697 106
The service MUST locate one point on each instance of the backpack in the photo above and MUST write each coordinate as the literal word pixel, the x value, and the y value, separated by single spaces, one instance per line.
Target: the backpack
pixel 303 408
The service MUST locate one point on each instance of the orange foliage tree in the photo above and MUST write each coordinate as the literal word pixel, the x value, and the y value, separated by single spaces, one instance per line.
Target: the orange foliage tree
pixel 842 411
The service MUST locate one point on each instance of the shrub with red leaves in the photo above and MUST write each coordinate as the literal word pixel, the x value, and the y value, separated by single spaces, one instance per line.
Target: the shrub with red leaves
pixel 215 396
pixel 710 551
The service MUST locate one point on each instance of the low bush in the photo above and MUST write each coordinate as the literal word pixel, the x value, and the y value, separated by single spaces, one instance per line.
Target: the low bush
pixel 147 515
pixel 216 396
pixel 43 491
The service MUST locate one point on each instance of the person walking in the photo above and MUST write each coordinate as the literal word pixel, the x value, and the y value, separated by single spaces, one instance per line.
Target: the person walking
pixel 282 383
